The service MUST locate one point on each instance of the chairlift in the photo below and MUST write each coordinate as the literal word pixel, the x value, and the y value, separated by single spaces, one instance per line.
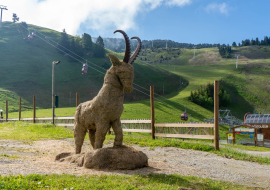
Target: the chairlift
pixel 34 33
pixel 85 68
pixel 30 36
pixel 184 116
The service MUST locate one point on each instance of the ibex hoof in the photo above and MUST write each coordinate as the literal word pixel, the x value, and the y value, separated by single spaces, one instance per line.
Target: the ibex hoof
pixel 117 144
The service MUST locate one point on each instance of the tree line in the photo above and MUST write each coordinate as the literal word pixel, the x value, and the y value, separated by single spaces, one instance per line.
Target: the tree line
pixel 81 45
pixel 252 42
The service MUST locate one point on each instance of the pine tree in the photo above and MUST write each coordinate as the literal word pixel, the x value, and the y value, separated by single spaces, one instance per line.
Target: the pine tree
pixel 78 47
pixel 257 42
pixel 63 42
pixel 266 40
pixel 72 48
pixel 233 44
pixel 99 50
pixel 15 18
pixel 100 42
pixel 86 42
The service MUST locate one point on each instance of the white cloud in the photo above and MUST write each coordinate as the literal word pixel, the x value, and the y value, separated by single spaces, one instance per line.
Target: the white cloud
pixel 99 15
pixel 178 3
pixel 222 8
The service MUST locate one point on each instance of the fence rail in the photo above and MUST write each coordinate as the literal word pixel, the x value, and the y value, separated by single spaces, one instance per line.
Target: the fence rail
pixel 175 130
pixel 185 130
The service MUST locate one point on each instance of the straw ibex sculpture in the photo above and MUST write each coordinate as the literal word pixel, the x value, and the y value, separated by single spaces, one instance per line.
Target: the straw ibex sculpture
pixel 103 111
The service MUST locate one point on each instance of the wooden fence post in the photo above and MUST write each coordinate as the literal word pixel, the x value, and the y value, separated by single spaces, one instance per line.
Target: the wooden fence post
pixel 6 110
pixel 77 99
pixel 34 109
pixel 152 111
pixel 216 115
pixel 20 101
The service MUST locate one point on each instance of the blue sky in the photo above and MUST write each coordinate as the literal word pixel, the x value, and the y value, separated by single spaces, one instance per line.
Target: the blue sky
pixel 188 21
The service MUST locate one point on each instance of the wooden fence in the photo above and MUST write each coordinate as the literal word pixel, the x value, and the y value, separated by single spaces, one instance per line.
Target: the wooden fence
pixel 185 130
pixel 142 125
pixel 176 130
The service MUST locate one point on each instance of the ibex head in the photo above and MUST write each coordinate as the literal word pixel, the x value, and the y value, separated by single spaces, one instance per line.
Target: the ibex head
pixel 124 69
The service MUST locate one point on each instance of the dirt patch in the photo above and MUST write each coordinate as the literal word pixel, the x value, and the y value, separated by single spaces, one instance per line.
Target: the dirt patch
pixel 38 158
pixel 207 58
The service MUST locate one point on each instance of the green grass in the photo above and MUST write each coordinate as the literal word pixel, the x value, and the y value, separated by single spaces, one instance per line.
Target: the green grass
pixel 8 156
pixel 26 70
pixel 151 181
pixel 32 132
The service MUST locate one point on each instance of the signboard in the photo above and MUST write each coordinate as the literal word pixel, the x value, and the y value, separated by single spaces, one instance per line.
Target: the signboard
pixel 260 137
pixel 259 126
pixel 230 136
pixel 244 131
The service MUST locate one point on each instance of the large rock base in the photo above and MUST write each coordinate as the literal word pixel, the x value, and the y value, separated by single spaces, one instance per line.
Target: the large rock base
pixel 120 158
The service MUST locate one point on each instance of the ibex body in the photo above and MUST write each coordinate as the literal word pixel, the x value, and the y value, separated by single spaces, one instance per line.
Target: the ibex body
pixel 104 111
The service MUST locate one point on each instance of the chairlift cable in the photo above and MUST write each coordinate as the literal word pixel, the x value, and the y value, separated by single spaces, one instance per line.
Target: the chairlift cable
pixel 99 67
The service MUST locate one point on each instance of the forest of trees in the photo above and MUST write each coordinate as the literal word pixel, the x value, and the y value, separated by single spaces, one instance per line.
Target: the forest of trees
pixel 204 96
pixel 252 42
pixel 118 45
pixel 81 45
pixel 225 50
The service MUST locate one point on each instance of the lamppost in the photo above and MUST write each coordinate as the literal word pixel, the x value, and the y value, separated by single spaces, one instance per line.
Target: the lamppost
pixel 53 96
pixel 1 112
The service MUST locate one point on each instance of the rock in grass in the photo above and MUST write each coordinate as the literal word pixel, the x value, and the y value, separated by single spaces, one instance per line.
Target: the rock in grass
pixel 113 158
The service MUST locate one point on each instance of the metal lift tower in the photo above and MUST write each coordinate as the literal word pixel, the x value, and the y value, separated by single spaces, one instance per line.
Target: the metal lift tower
pixel 194 53
pixel 2 7
pixel 236 55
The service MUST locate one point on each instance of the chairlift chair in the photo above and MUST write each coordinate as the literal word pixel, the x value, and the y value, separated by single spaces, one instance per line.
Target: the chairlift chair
pixel 184 116
pixel 84 68
pixel 30 36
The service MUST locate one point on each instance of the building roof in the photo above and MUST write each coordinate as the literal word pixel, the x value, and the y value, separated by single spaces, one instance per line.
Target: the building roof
pixel 257 119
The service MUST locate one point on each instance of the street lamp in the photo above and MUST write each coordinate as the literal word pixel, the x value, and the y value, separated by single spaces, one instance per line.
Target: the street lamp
pixel 53 101
pixel 1 112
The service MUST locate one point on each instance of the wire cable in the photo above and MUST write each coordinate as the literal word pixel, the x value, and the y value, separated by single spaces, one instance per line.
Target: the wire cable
pixel 103 69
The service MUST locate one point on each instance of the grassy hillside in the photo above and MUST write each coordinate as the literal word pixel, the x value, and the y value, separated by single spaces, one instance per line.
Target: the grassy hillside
pixel 248 84
pixel 26 70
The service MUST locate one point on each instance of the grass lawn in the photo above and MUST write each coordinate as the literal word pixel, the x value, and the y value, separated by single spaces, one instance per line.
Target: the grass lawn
pixel 29 132
pixel 151 181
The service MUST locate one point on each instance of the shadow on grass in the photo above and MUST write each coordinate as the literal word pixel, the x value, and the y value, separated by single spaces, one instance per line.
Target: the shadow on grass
pixel 184 182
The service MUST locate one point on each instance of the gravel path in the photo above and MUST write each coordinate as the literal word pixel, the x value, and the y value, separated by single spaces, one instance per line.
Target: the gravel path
pixel 38 158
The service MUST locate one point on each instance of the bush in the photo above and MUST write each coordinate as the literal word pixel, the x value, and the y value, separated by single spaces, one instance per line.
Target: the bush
pixel 204 96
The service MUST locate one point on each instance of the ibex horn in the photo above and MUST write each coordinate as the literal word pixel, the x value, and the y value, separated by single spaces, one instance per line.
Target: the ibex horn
pixel 127 53
pixel 137 51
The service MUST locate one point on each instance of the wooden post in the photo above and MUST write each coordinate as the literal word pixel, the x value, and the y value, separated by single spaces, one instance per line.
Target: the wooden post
pixel 20 103
pixel 6 110
pixel 233 136
pixel 34 109
pixel 216 116
pixel 77 99
pixel 152 111
pixel 256 140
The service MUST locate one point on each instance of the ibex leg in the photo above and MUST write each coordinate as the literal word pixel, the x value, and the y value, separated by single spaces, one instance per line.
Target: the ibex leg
pixel 79 134
pixel 91 134
pixel 101 130
pixel 116 125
